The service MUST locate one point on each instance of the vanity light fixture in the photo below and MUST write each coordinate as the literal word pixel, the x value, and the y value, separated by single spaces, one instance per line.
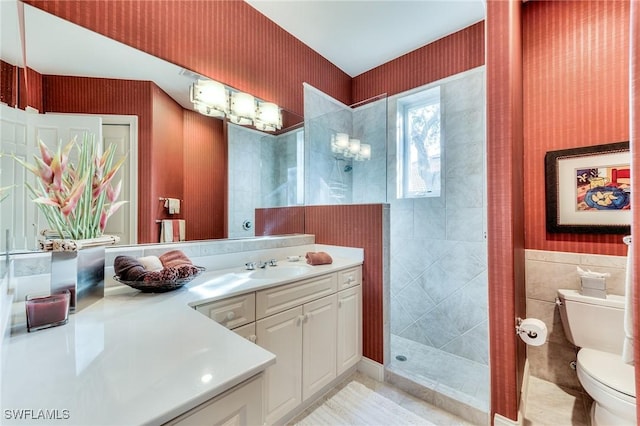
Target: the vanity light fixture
pixel 243 108
pixel 365 152
pixel 347 147
pixel 214 99
pixel 268 117
pixel 210 98
pixel 339 143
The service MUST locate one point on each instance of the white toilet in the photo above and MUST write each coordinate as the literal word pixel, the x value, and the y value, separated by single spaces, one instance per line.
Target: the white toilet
pixel 596 326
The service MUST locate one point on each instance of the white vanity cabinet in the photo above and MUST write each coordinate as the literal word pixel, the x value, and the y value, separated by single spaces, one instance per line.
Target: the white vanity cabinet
pixel 240 405
pixel 313 326
pixel 236 313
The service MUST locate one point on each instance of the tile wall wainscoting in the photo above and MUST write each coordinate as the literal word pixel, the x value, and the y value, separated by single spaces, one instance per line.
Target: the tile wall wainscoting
pixel 546 272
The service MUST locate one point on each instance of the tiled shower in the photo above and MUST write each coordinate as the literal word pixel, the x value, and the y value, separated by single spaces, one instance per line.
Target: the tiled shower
pixel 438 301
pixel 438 341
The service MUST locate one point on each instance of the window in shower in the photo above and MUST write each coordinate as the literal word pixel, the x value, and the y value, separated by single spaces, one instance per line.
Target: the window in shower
pixel 419 144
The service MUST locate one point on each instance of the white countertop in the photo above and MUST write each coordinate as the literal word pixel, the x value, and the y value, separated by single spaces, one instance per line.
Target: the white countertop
pixel 134 358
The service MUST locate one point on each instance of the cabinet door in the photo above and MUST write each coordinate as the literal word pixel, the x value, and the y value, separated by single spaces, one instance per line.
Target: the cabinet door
pixel 247 331
pixel 281 334
pixel 240 406
pixel 349 337
pixel 318 344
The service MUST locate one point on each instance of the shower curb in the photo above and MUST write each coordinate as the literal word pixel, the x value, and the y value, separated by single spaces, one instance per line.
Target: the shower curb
pixel 432 395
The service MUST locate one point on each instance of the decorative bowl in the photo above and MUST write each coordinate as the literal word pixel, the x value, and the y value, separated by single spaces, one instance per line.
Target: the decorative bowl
pixel 159 286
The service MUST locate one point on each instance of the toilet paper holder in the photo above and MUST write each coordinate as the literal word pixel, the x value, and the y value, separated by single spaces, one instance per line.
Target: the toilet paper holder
pixel 519 330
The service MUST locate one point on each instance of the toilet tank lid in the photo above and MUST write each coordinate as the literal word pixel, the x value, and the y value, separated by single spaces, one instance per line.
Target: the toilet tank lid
pixel 608 369
pixel 612 300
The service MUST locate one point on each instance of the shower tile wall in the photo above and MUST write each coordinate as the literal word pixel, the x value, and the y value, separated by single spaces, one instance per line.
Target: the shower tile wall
pixel 326 181
pixel 369 177
pixel 438 246
pixel 245 192
pixel 262 173
pixel 279 170
pixel 344 181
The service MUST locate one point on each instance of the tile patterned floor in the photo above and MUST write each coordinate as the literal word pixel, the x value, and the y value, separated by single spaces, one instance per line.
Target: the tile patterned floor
pixel 422 409
pixel 550 404
pixel 456 377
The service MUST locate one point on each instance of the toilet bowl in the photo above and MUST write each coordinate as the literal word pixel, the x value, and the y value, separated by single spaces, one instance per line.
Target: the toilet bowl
pixel 610 382
pixel 596 327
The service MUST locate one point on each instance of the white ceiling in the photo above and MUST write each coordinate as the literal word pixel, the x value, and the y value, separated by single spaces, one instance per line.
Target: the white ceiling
pixel 355 35
pixel 358 35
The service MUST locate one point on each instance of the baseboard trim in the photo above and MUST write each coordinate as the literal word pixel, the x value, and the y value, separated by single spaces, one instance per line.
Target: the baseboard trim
pixel 371 368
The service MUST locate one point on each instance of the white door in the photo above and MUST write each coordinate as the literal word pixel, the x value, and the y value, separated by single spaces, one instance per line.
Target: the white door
pixel 119 224
pixel 19 214
pixel 318 345
pixel 349 329
pixel 281 334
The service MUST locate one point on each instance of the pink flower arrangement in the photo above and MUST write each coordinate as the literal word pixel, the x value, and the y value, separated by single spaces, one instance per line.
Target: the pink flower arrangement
pixel 77 200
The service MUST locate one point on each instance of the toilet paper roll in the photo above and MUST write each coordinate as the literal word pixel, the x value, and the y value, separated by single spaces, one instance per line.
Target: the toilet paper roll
pixel 533 332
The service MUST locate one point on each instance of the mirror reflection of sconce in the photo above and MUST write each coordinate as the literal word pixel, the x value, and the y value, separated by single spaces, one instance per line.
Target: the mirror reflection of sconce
pixel 214 99
pixel 342 144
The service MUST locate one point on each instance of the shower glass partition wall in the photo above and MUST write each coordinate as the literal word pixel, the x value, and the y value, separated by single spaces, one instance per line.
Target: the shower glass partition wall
pixel 331 176
pixel 438 307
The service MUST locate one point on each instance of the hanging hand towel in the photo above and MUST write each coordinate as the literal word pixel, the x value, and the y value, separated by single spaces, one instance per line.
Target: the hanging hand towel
pixel 172 230
pixel 173 204
pixel 627 347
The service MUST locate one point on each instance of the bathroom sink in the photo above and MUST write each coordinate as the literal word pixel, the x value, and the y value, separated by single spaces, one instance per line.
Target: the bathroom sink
pixel 280 272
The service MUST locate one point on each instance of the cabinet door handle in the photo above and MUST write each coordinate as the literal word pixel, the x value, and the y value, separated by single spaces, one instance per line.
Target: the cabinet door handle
pixel 339 303
pixel 253 338
pixel 231 315
pixel 300 319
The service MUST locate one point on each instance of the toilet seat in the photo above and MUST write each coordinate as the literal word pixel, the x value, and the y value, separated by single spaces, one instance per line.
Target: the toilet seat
pixel 609 370
pixel 610 382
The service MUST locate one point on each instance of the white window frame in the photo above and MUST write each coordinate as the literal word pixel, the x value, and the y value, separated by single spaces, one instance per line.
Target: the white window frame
pixel 425 97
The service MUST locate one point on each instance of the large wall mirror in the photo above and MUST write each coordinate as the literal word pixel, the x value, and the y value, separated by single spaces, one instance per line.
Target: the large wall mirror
pixel 263 169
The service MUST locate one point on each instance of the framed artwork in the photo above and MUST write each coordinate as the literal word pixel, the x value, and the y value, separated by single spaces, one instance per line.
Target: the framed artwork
pixel 588 189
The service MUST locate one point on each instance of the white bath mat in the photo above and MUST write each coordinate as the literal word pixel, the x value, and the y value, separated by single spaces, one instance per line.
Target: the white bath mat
pixel 356 404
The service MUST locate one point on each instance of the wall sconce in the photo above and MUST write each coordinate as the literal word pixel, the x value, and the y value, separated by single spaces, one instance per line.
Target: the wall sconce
pixel 214 99
pixel 342 144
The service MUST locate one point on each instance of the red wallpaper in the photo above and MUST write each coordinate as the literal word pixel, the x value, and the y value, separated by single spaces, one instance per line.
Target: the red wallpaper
pixel 576 92
pixel 14 90
pixel 450 55
pixel 635 165
pixel 357 226
pixel 108 96
pixel 279 221
pixel 8 83
pixel 166 158
pixel 205 171
pixel 505 213
pixel 225 40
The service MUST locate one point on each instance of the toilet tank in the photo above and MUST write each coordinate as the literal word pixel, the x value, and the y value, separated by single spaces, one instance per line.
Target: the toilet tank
pixel 590 322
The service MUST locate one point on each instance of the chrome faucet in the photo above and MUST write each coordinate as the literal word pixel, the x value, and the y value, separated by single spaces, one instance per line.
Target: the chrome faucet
pixel 260 264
